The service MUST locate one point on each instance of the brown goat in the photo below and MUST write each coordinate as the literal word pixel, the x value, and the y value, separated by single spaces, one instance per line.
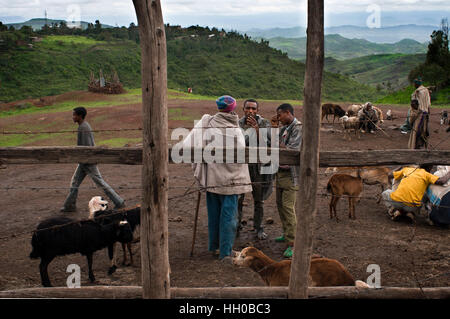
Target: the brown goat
pixel 371 175
pixel 343 184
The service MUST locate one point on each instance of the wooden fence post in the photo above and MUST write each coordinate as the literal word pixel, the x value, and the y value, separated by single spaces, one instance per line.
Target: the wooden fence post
pixel 154 219
pixel 309 155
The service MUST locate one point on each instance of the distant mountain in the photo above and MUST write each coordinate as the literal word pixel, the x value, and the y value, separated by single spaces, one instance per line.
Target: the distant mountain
pixel 38 23
pixel 420 33
pixel 294 32
pixel 342 48
pixel 383 70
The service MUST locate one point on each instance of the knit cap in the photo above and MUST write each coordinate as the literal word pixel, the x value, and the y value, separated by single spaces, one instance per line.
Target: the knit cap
pixel 226 103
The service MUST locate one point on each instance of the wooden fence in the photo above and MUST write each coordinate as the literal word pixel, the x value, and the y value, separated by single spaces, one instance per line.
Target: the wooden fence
pixel 133 156
pixel 154 157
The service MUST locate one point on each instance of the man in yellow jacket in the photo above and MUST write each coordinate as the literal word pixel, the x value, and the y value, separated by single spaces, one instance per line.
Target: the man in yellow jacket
pixel 407 198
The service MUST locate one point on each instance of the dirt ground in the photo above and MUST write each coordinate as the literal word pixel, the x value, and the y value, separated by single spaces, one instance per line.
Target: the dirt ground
pixel 409 255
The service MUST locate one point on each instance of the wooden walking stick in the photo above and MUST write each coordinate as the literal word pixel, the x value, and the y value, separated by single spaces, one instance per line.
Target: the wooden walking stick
pixel 195 222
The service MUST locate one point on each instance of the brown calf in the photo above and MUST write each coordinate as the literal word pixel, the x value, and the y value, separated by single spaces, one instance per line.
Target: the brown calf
pixel 323 272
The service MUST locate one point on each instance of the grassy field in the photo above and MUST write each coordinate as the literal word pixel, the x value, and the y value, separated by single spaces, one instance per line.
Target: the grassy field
pixel 36 119
pixel 131 96
pixel 378 69
pixel 440 99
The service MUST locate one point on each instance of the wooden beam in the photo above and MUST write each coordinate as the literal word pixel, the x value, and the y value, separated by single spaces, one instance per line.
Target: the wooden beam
pixel 70 154
pixel 133 156
pixel 135 292
pixel 309 155
pixel 155 177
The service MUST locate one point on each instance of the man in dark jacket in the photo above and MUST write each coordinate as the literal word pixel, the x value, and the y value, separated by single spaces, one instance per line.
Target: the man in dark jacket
pixel 261 183
pixel 86 138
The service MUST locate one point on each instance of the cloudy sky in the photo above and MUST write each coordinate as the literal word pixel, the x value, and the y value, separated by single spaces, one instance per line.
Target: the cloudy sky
pixel 237 14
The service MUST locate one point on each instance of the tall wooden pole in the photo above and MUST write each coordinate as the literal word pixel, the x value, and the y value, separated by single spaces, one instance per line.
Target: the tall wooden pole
pixel 309 155
pixel 154 217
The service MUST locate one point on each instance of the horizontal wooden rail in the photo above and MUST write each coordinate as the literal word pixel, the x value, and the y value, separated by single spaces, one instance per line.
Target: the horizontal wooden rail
pixel 135 292
pixel 133 156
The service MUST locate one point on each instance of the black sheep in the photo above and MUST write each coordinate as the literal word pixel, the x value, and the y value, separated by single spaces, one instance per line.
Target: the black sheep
pixel 59 236
pixel 133 216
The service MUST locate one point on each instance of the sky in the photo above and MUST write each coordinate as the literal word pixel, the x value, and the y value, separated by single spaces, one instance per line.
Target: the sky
pixel 232 14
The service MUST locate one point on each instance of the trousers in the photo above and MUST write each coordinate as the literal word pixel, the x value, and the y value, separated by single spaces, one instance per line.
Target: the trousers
pixel 258 202
pixel 390 203
pixel 286 197
pixel 222 222
pixel 81 172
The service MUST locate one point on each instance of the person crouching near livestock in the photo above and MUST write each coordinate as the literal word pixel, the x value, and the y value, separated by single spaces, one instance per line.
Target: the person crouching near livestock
pixel 368 117
pixel 407 198
pixel 86 138
pixel 261 183
pixel 287 175
pixel 223 182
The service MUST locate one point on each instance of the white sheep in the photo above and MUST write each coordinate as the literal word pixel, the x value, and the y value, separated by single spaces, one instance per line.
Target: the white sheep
pixel 353 110
pixel 350 123
pixel 95 204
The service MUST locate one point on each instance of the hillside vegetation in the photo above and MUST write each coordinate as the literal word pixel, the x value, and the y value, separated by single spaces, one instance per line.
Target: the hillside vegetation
pixel 434 71
pixel 439 98
pixel 211 62
pixel 342 48
pixel 384 71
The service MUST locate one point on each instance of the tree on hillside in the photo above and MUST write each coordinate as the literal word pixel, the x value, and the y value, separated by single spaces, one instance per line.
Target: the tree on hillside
pixel 438 47
pixel 26 30
pixel 436 69
pixel 98 26
pixel 3 27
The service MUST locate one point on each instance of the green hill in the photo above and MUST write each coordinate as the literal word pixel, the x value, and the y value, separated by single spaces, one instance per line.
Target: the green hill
pixel 342 48
pixel 211 62
pixel 382 70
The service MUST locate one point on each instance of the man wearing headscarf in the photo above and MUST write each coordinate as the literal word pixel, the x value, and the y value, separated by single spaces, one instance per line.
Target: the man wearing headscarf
pixel 223 182
pixel 368 117
pixel 422 95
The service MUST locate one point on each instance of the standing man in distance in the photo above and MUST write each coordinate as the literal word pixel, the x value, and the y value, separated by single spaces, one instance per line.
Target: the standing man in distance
pixel 86 138
pixel 261 183
pixel 422 95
